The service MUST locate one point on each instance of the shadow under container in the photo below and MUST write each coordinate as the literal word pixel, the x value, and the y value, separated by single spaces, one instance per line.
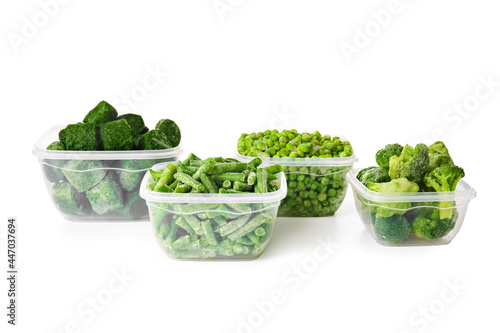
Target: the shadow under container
pixel 316 186
pixel 212 226
pixel 411 219
pixel 97 185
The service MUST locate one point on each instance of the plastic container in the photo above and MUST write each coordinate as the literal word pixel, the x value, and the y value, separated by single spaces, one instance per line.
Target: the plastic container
pixel 212 226
pixel 316 186
pixel 406 219
pixel 97 185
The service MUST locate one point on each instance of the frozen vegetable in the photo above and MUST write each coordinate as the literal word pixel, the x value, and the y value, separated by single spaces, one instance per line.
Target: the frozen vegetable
pixel 290 143
pixel 79 136
pixel 105 197
pixel 130 180
pixel 103 129
pixel 135 122
pixel 384 155
pixel 84 174
pixel 373 175
pixel 102 113
pixel 411 164
pixel 209 176
pixel 152 140
pixel 419 169
pixel 116 135
pixel 52 167
pixel 171 131
pixel 66 197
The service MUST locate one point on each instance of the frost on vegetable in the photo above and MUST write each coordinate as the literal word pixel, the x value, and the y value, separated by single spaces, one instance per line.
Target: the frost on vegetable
pixel 84 174
pixel 116 135
pixel 102 113
pixel 79 137
pixel 106 196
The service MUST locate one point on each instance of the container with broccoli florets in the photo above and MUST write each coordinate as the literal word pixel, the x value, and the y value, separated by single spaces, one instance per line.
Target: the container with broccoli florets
pixel 414 196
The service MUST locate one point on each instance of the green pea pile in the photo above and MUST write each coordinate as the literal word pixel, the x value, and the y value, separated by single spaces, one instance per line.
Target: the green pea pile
pixel 289 143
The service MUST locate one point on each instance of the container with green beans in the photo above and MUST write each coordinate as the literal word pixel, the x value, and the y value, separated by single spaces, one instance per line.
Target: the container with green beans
pixel 315 168
pixel 214 208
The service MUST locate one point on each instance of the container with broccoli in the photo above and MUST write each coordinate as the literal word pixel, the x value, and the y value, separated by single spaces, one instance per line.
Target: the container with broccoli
pixel 415 196
pixel 217 208
pixel 315 167
pixel 93 169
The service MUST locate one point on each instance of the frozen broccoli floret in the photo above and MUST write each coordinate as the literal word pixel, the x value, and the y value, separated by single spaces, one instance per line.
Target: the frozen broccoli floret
pixel 135 122
pixel 387 209
pixel 79 137
pixel 102 113
pixel 394 186
pixel 394 229
pixel 411 164
pixel 52 167
pixel 444 179
pixel 130 180
pixel 116 135
pixel 66 198
pixel 429 224
pixel 438 156
pixel 153 140
pixel 83 174
pixel 384 155
pixel 171 131
pixel 106 196
pixel 373 175
pixel 135 206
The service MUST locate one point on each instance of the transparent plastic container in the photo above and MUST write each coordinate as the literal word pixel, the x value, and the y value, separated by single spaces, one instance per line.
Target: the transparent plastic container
pixel 316 186
pixel 212 226
pixel 97 185
pixel 407 219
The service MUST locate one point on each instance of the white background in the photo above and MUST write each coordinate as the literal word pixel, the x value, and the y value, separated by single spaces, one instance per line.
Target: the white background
pixel 233 75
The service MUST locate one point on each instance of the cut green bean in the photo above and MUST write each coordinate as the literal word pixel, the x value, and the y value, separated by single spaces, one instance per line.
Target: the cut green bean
pixel 162 187
pixel 230 160
pixel 191 157
pixel 209 184
pixel 227 185
pixel 228 167
pixel 188 180
pixel 275 168
pixel 260 231
pixel 231 176
pixel 228 191
pixel 256 162
pixel 172 234
pixel 209 233
pixel 252 178
pixel 187 169
pixel 174 185
pixel 240 207
pixel 194 223
pixel 167 176
pixel 249 226
pixel 182 188
pixel 253 237
pixel 184 225
pixel 206 167
pixel 155 174
pixel 239 186
pixel 184 241
pixel 261 185
pixel 234 225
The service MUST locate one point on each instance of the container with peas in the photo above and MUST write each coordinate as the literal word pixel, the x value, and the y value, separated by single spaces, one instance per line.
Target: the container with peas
pixel 315 167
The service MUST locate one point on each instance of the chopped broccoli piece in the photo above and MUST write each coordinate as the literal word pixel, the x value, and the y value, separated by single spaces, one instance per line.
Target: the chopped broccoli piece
pixel 106 196
pixel 135 206
pixel 130 180
pixel 411 164
pixel 444 179
pixel 66 198
pixel 135 122
pixel 394 229
pixel 438 156
pixel 373 175
pixel 429 225
pixel 384 155
pixel 79 137
pixel 153 140
pixel 116 135
pixel 51 168
pixel 171 131
pixel 102 113
pixel 83 174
